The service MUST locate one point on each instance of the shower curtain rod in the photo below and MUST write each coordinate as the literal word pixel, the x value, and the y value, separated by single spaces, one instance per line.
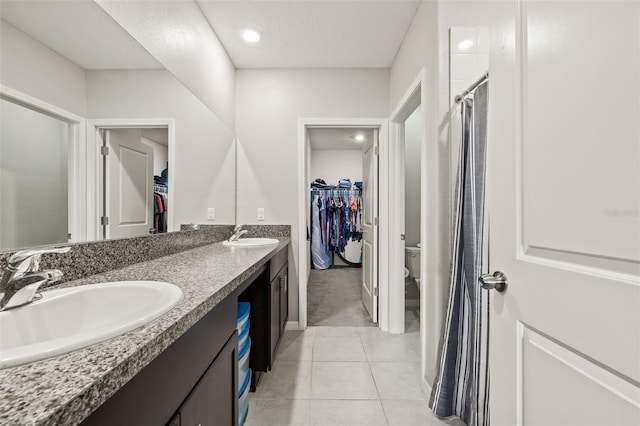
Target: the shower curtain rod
pixel 471 88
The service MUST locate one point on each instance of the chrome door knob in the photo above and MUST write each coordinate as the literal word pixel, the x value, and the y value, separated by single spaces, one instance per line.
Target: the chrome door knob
pixel 496 281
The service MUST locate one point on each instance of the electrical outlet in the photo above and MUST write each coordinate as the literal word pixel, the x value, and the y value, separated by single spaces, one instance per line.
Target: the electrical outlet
pixel 260 213
pixel 211 213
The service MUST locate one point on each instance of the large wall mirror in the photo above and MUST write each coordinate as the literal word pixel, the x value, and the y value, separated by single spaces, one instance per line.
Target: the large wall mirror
pixel 97 139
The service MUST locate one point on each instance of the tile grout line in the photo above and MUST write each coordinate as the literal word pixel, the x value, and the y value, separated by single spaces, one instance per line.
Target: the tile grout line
pixel 313 347
pixel 371 372
pixel 386 418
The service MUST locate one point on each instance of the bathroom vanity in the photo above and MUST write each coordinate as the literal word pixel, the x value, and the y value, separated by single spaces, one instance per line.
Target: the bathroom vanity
pixel 180 369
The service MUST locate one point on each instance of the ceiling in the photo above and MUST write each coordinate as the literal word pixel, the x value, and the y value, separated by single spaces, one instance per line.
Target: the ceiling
pixel 342 138
pixel 80 31
pixel 312 33
pixel 295 33
pixel 160 136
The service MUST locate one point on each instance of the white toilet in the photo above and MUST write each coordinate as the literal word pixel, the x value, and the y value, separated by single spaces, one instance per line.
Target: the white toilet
pixel 412 263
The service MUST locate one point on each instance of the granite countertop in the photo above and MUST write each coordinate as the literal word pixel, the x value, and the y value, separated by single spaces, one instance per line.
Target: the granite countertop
pixel 67 388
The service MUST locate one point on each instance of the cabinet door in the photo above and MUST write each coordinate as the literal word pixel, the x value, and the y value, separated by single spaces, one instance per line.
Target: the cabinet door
pixel 274 318
pixel 284 298
pixel 214 400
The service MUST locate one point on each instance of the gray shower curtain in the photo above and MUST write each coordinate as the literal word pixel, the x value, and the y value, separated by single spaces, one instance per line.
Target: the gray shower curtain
pixel 462 385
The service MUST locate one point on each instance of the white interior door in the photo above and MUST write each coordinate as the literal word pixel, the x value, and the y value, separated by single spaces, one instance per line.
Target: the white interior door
pixel 128 184
pixel 369 288
pixel 564 197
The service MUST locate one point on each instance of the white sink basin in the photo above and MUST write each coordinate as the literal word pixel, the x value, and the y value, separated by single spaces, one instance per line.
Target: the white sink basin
pixel 72 318
pixel 251 242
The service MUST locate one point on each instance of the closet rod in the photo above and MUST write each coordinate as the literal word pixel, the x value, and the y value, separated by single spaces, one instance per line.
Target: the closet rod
pixel 343 190
pixel 471 88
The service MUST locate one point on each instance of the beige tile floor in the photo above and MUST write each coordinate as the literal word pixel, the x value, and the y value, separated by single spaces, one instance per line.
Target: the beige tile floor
pixel 328 376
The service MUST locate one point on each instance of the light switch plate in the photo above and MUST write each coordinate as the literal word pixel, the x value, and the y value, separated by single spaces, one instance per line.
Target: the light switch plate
pixel 260 213
pixel 211 213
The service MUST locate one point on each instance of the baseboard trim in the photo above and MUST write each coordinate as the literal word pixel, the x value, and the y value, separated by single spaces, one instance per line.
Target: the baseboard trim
pixel 292 325
pixel 426 388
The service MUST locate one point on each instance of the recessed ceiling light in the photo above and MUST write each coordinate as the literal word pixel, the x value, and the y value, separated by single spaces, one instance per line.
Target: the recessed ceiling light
pixel 250 35
pixel 360 137
pixel 465 44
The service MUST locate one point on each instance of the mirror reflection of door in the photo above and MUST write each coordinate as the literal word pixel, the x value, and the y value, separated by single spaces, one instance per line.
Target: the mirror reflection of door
pixel 34 177
pixel 135 182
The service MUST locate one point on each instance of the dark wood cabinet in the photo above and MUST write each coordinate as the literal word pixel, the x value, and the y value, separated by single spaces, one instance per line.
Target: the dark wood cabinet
pixel 210 402
pixel 268 293
pixel 274 319
pixel 279 303
pixel 278 300
pixel 284 299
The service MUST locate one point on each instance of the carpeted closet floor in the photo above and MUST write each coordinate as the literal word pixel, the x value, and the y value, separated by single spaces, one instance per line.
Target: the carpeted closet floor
pixel 333 298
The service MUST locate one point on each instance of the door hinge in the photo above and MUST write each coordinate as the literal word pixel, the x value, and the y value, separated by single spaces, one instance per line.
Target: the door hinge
pixel 104 220
pixel 402 237
pixel 375 221
pixel 375 291
pixel 69 236
pixel 104 150
pixel 375 150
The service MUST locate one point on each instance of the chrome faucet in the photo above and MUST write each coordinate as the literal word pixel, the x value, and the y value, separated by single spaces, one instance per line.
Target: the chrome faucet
pixel 22 277
pixel 238 232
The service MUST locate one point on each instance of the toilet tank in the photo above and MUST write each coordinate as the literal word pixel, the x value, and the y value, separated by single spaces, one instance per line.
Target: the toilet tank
pixel 412 261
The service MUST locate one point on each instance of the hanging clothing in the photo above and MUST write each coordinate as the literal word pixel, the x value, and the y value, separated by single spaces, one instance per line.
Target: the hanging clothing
pixel 461 387
pixel 319 256
pixel 165 216
pixel 160 207
pixel 158 210
pixel 336 220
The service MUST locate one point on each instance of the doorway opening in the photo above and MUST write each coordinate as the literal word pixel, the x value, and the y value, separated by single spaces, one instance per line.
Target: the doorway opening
pixel 337 221
pixel 412 145
pixel 38 148
pixel 134 178
pixel 408 132
pixel 134 181
pixel 352 232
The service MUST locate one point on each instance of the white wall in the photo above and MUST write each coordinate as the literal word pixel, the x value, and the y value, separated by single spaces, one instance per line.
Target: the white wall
pixel 178 35
pixel 468 57
pixel 30 67
pixel 465 68
pixel 160 155
pixel 204 169
pixel 426 46
pixel 33 188
pixel 419 51
pixel 412 147
pixel 335 164
pixel 269 104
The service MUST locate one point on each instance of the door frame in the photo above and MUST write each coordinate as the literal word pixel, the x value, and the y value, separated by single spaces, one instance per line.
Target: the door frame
pixel 94 163
pixel 414 96
pixel 79 195
pixel 409 102
pixel 382 124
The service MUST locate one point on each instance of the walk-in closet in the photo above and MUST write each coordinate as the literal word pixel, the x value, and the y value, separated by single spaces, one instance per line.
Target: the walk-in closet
pixel 336 226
